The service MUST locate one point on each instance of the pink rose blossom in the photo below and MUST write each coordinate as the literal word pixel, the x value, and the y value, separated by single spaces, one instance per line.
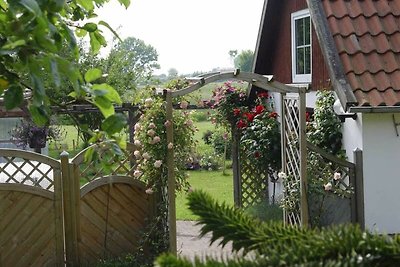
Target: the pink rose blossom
pixel 337 176
pixel 189 123
pixel 167 124
pixel 137 142
pixel 137 154
pixel 152 125
pixel 328 187
pixel 148 102
pixel 170 145
pixel 151 132
pixel 156 139
pixel 137 173
pixel 146 156
pixel 137 127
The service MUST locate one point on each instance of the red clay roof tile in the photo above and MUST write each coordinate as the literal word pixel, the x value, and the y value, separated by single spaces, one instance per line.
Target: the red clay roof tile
pixel 367 37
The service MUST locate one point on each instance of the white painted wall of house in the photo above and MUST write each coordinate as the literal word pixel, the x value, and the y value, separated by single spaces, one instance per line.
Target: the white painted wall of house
pixel 352 136
pixel 381 161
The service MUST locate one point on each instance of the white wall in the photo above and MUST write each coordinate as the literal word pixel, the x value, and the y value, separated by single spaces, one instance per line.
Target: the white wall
pixel 352 136
pixel 381 161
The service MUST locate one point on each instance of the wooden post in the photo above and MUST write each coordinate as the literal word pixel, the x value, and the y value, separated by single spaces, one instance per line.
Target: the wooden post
pixel 283 142
pixel 359 187
pixel 303 159
pixel 71 250
pixel 237 183
pixel 58 218
pixel 171 174
pixel 131 125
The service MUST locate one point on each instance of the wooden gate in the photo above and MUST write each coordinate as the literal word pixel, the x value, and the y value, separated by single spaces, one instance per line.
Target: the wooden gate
pixel 112 208
pixel 31 226
pixel 48 219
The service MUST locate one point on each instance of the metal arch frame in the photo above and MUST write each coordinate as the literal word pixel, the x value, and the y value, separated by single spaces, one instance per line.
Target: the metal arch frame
pixel 265 82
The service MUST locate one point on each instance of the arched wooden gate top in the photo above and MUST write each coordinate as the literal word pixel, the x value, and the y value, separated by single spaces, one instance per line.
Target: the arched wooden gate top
pixel 265 82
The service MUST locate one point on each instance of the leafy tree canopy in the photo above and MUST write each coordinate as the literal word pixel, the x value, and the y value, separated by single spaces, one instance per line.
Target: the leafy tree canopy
pixel 243 60
pixel 33 35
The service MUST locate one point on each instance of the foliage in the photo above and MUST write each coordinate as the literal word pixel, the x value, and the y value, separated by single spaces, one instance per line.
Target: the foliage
pixel 129 64
pixel 244 60
pixel 265 211
pixel 151 140
pixel 275 244
pixel 261 139
pixel 211 161
pixel 226 99
pixel 325 131
pixel 221 141
pixel 27 133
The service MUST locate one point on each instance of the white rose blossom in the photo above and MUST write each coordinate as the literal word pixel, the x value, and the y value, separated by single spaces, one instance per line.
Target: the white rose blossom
pixel 184 104
pixel 137 127
pixel 282 176
pixel 328 187
pixel 170 145
pixel 337 176
pixel 158 163
pixel 167 123
pixel 146 156
pixel 137 154
pixel 137 142
pixel 148 102
pixel 149 191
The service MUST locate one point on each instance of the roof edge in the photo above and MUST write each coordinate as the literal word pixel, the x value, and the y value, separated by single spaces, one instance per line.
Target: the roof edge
pixel 331 56
pixel 260 30
pixel 377 109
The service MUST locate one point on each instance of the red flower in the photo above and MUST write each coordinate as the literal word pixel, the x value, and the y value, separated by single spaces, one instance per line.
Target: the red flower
pixel 259 109
pixel 273 115
pixel 308 116
pixel 263 95
pixel 249 116
pixel 257 154
pixel 241 124
pixel 236 111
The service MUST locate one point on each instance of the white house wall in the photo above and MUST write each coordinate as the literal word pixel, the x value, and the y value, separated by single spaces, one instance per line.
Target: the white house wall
pixel 381 161
pixel 352 136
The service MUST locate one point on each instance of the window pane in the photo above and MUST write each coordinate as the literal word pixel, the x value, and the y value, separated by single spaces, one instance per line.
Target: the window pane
pixel 307 60
pixel 299 32
pixel 300 61
pixel 307 30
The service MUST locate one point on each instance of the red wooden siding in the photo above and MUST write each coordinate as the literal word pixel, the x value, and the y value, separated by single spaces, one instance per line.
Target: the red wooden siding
pixel 276 57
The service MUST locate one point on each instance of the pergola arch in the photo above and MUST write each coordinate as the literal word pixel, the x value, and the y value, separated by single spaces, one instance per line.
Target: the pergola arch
pixel 293 123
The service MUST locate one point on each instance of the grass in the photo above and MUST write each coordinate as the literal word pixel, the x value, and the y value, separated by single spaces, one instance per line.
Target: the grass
pixel 219 186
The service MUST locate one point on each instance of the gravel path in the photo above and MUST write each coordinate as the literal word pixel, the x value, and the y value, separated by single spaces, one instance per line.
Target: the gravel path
pixel 190 245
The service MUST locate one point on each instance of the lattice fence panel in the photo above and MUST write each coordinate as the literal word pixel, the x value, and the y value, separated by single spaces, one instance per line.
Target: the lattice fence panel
pixel 124 165
pixel 291 133
pixel 254 183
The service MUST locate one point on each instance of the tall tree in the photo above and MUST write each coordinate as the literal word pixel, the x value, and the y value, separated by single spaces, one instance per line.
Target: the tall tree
pixel 130 64
pixel 244 60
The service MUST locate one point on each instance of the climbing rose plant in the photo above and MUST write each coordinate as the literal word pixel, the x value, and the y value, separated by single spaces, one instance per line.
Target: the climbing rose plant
pixel 152 146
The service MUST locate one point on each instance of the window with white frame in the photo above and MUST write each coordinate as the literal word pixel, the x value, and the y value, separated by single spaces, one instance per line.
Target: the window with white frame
pixel 301 47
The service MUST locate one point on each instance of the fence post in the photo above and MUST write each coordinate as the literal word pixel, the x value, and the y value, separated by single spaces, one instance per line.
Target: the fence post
pixel 303 160
pixel 171 175
pixel 359 187
pixel 237 183
pixel 71 248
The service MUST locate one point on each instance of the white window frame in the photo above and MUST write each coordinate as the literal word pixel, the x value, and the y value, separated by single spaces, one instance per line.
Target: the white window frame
pixel 299 78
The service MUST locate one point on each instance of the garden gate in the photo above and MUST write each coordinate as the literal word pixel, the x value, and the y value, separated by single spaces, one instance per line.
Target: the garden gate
pixel 246 188
pixel 48 219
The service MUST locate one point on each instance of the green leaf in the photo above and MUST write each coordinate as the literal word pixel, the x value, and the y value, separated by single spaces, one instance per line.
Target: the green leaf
pixel 126 3
pixel 39 115
pixel 55 73
pixel 90 27
pixel 101 22
pixel 14 44
pixel 92 75
pixel 111 95
pixel 13 97
pixel 89 154
pixel 32 6
pixel 57 5
pixel 105 106
pixel 94 43
pixel 114 123
pixel 86 4
pixel 100 38
pixel 81 33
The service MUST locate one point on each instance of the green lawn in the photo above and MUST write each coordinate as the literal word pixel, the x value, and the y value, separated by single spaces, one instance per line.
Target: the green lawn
pixel 219 186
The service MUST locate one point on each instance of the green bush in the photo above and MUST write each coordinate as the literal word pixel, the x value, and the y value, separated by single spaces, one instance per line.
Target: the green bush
pixel 200 115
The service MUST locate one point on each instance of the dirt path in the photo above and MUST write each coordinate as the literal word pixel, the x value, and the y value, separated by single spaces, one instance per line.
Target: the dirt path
pixel 190 245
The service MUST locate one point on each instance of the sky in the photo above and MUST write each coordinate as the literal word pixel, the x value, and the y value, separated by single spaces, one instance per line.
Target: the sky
pixel 189 35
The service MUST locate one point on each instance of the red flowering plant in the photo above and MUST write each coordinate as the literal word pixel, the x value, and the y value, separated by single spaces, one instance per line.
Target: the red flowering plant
pixel 230 101
pixel 260 134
